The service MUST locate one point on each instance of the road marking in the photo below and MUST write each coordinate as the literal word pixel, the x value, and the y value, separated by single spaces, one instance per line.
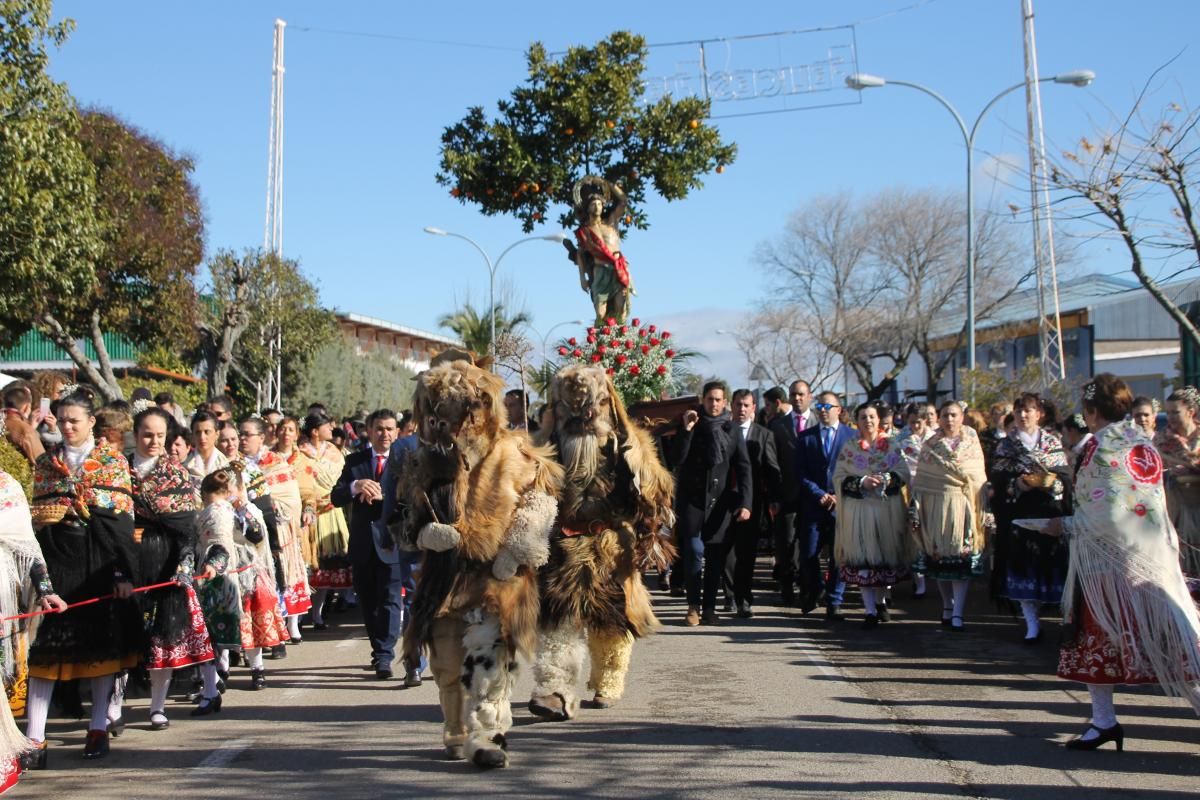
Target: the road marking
pixel 224 755
pixel 822 664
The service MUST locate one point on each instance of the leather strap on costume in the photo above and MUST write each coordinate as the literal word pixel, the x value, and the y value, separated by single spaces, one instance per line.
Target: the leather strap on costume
pixel 590 241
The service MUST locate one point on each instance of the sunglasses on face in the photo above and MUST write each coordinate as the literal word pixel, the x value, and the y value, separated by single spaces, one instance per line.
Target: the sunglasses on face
pixel 824 406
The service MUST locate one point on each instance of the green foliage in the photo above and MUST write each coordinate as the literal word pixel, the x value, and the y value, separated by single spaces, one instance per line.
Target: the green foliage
pixel 986 387
pixel 49 233
pixel 345 381
pixel 475 327
pixel 153 239
pixel 162 356
pixel 13 462
pixel 187 395
pixel 252 300
pixel 581 115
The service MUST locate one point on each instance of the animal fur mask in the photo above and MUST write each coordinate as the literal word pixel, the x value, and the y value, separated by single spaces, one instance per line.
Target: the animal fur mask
pixel 457 403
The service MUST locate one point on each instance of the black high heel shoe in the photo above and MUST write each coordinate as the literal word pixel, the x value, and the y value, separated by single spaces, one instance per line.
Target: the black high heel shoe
pixel 1114 734
pixel 36 758
pixel 207 706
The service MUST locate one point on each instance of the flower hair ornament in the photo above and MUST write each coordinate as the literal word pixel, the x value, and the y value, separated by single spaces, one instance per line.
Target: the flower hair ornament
pixel 68 390
pixel 1078 420
pixel 138 406
pixel 1190 397
pixel 1089 391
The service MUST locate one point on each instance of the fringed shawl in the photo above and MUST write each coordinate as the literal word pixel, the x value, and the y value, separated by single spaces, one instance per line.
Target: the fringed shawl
pixel 1013 456
pixel 1125 559
pixel 871 528
pixel 102 481
pixel 952 471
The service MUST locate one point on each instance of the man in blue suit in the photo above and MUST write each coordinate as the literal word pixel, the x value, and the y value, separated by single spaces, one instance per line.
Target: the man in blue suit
pixel 374 554
pixel 817 449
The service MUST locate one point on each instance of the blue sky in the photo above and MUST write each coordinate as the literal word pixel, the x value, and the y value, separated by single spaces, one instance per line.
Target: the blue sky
pixel 363 117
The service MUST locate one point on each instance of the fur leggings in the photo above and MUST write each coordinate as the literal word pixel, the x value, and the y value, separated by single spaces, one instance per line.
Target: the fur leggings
pixel 559 663
pixel 475 673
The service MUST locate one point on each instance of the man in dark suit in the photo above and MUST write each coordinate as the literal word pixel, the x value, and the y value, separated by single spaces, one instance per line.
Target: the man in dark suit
pixel 392 515
pixel 374 554
pixel 713 484
pixel 787 423
pixel 742 544
pixel 817 449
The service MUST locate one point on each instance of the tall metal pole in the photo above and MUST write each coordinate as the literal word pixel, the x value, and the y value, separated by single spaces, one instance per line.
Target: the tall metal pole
pixel 271 391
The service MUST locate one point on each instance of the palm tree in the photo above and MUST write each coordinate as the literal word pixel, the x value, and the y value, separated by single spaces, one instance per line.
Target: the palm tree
pixel 475 328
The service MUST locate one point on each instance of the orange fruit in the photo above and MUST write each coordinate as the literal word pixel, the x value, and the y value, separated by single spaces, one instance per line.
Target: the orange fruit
pixel 694 124
pixel 455 192
pixel 720 168
pixel 610 124
pixel 535 188
pixel 570 131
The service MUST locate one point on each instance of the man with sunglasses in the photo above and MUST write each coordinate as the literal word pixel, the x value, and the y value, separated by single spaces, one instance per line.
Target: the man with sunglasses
pixel 817 449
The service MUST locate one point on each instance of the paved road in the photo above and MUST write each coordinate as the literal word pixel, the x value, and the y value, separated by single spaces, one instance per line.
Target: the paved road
pixel 778 706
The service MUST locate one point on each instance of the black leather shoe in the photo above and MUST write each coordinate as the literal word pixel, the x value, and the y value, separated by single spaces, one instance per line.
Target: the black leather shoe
pixel 709 617
pixel 383 673
pixel 207 706
pixel 1114 734
pixel 884 614
pixel 258 679
pixel 412 678
pixel 279 651
pixel 870 621
pixel 319 626
pixel 97 745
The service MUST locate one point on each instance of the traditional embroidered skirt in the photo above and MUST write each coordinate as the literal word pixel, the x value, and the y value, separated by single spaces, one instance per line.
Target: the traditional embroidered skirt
pixel 1095 658
pixel 261 623
pixel 1036 567
pixel 222 607
pixel 330 544
pixel 180 648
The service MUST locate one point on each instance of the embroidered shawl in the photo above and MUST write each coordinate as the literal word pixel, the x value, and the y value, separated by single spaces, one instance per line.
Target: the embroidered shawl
pixel 946 469
pixel 166 489
pixel 1014 457
pixel 1125 559
pixel 102 481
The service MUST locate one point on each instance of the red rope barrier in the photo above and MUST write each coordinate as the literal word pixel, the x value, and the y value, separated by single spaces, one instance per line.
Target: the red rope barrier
pixel 92 600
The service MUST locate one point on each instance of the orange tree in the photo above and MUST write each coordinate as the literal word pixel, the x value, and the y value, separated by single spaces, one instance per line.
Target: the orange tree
pixel 582 114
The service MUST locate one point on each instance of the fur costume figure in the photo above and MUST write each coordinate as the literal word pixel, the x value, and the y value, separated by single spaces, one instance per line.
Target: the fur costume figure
pixel 480 500
pixel 616 498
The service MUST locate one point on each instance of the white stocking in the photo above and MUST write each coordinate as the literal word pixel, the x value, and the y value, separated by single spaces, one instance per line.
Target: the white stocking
pixel 293 624
pixel 318 606
pixel 254 658
pixel 117 697
pixel 868 598
pixel 224 659
pixel 1033 626
pixel 37 707
pixel 104 691
pixel 920 584
pixel 960 597
pixel 1104 714
pixel 208 674
pixel 160 682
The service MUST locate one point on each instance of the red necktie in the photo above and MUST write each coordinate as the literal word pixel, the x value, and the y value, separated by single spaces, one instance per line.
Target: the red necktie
pixel 379 462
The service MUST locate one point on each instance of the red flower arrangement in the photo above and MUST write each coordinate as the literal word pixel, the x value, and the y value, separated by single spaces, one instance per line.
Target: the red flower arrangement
pixel 634 355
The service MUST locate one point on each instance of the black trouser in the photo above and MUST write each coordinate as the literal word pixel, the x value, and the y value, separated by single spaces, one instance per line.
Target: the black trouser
pixel 741 553
pixel 787 550
pixel 378 585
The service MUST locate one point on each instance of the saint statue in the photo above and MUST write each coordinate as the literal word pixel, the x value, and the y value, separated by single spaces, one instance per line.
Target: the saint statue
pixel 603 270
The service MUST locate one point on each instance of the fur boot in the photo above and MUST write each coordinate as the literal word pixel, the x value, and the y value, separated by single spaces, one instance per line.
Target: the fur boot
pixel 556 670
pixel 488 675
pixel 610 653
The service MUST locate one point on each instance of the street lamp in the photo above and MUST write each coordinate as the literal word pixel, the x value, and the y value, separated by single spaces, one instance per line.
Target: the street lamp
pixel 492 266
pixel 863 80
pixel 546 338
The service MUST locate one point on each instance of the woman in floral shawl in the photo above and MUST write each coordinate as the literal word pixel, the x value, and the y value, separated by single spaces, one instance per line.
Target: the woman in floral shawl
pixel 1030 480
pixel 329 538
pixel 871 542
pixel 1129 618
pixel 1179 445
pixel 165 507
pixel 292 478
pixel 948 504
pixel 83 510
pixel 22 569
